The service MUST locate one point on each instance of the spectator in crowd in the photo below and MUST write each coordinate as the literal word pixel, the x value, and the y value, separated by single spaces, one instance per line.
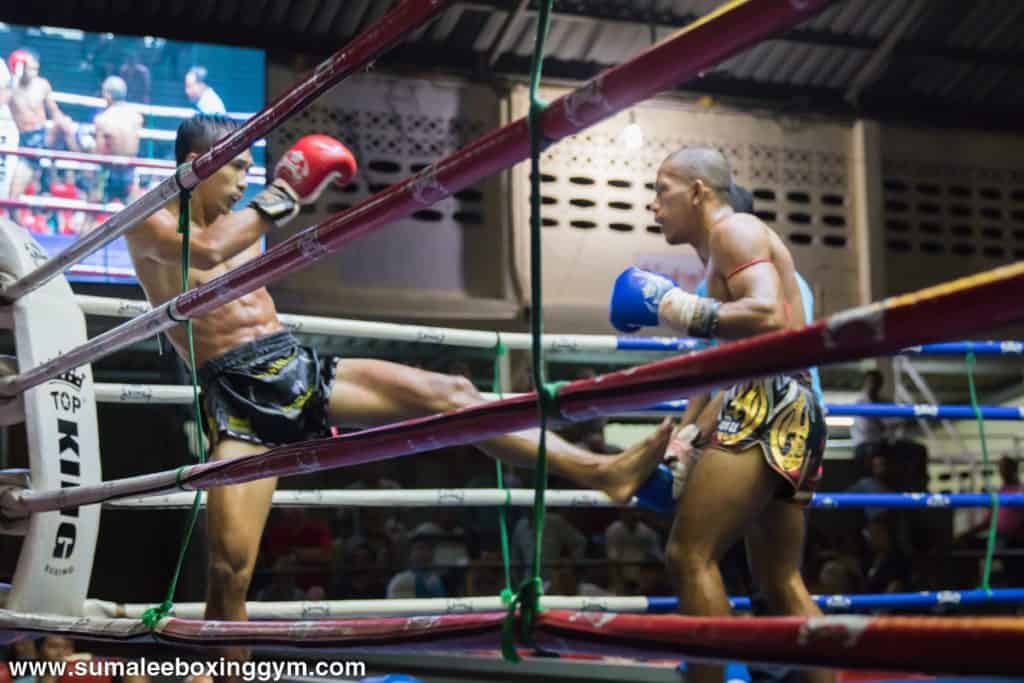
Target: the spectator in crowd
pixel 117 130
pixel 199 92
pixel 589 433
pixel 358 576
pixel 888 568
pixel 63 186
pixel 565 580
pixel 868 433
pixel 560 539
pixel 1010 520
pixel 627 542
pixel 56 648
pixel 31 102
pixel 838 577
pixel 874 480
pixel 23 650
pixel 419 580
pixel 5 92
pixel 452 548
pixel 485 576
pixel 136 77
pixel 300 542
pixel 484 523
pixel 651 578
pixel 282 586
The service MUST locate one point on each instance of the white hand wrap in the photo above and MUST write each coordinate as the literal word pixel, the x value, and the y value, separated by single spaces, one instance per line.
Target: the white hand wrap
pixel 689 313
pixel 680 459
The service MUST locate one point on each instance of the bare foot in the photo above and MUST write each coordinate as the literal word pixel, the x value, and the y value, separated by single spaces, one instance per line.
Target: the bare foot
pixel 621 476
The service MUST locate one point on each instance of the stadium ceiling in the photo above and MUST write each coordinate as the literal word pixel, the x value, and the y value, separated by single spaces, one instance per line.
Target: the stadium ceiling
pixel 933 61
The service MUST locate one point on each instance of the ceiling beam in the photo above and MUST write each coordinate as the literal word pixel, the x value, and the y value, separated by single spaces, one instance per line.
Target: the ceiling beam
pixel 664 24
pixel 875 65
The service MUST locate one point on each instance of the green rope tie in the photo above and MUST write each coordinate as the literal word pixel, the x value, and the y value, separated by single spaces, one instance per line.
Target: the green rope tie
pixel 152 616
pixel 507 594
pixel 527 599
pixel 990 544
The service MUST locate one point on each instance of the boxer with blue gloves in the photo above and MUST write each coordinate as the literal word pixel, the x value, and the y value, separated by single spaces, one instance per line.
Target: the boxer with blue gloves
pixel 745 453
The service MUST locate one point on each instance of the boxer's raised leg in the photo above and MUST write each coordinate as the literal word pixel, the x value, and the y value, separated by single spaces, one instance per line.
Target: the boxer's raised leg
pixel 368 393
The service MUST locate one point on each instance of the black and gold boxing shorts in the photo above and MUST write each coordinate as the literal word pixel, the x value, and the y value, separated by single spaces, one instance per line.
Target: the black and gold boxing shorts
pixel 783 416
pixel 270 391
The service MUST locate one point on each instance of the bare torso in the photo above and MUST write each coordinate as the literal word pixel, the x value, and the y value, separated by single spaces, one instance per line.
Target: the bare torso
pixel 249 317
pixel 783 262
pixel 117 130
pixel 28 103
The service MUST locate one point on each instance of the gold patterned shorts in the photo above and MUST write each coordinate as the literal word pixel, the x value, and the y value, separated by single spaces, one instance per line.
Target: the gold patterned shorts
pixel 783 416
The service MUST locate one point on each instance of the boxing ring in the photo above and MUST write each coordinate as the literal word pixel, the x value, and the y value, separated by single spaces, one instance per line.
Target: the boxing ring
pixel 56 504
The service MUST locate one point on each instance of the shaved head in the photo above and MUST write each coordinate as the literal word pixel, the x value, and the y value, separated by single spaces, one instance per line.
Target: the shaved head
pixel 702 163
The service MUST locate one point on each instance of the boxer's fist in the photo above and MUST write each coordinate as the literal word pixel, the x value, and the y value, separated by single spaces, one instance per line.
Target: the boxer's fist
pixel 312 163
pixel 635 299
pixel 301 176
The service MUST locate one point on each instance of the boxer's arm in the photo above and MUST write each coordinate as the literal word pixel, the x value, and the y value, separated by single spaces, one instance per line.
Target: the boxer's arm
pixel 226 237
pixel 51 104
pixel 694 407
pixel 707 421
pixel 755 291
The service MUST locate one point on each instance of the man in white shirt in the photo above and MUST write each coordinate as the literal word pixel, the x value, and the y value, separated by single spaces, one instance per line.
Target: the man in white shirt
pixel 200 93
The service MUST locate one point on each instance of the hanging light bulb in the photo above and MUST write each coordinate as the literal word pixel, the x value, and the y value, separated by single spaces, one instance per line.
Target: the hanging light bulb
pixel 632 136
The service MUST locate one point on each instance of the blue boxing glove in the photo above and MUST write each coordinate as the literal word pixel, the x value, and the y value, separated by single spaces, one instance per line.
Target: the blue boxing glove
pixel 635 299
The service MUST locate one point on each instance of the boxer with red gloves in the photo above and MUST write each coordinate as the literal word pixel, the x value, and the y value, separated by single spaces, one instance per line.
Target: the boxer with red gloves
pixel 261 388
pixel 301 176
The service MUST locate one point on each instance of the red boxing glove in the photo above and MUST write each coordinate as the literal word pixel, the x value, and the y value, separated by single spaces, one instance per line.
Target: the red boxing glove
pixel 312 163
pixel 19 61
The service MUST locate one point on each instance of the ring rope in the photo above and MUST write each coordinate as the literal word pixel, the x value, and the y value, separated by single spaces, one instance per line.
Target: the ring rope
pixel 975 645
pixel 516 341
pixel 104 159
pixel 362 50
pixel 635 604
pixel 568 498
pixel 181 394
pixel 960 307
pixel 682 56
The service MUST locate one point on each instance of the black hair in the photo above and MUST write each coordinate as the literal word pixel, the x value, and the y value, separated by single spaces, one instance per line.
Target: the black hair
pixel 199 133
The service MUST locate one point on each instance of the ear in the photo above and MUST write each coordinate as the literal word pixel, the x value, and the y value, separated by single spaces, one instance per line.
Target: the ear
pixel 697 188
pixel 191 156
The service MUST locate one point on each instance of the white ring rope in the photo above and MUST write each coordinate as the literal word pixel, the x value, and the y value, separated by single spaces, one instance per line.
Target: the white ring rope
pixel 151 109
pixel 449 336
pixel 335 609
pixel 404 498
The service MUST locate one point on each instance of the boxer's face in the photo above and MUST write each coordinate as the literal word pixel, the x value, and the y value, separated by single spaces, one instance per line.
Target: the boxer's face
pixel 222 190
pixel 674 207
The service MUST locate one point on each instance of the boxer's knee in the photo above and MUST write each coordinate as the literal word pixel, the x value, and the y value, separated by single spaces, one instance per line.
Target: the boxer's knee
pixel 451 392
pixel 687 562
pixel 229 579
